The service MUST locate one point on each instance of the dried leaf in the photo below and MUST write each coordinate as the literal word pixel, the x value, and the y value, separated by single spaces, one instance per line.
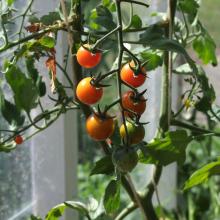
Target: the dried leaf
pixel 51 65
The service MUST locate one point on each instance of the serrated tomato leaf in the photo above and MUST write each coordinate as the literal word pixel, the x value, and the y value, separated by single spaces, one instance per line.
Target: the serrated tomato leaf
pixel 56 212
pixel 10 2
pixel 155 39
pixel 166 150
pixel 32 71
pixel 47 41
pixel 104 18
pixel 205 48
pixel 79 206
pixel 10 112
pixel 203 174
pixel 208 92
pixel 50 18
pixel 154 60
pixel 25 93
pixel 103 166
pixel 112 196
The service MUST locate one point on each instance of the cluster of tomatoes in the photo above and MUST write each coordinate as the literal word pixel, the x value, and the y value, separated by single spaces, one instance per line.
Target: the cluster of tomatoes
pixel 100 126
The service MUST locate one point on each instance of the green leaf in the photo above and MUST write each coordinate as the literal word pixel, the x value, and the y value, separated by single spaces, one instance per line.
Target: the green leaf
pixel 189 6
pixel 33 19
pixel 205 48
pixel 136 21
pixel 154 38
pixel 166 150
pixel 154 60
pixel 32 71
pixel 79 206
pixel 10 112
pixel 151 33
pixel 50 18
pixel 7 147
pixel 41 86
pixel 112 196
pixel 56 212
pixel 208 92
pixel 203 174
pixel 47 41
pixel 103 166
pixel 25 93
pixel 10 2
pixel 33 217
pixel 106 3
pixel 109 4
pixel 104 18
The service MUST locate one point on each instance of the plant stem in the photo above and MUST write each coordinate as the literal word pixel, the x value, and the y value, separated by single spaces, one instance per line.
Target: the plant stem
pixel 23 17
pixel 51 28
pixel 203 131
pixel 38 119
pixel 136 2
pixel 120 55
pixel 126 211
pixel 65 74
pixel 105 36
pixel 137 198
pixel 165 110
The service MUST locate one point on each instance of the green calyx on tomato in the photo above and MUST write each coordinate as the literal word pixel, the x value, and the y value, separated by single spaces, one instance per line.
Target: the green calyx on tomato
pixel 125 159
pixel 136 132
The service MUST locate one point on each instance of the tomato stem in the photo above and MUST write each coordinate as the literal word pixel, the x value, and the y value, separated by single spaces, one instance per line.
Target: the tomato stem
pixel 105 37
pixel 136 2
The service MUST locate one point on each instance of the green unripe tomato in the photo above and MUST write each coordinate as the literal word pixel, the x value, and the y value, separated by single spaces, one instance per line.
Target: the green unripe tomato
pixel 136 133
pixel 125 159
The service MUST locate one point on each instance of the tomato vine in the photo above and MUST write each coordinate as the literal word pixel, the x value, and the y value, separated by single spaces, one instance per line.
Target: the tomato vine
pixel 162 42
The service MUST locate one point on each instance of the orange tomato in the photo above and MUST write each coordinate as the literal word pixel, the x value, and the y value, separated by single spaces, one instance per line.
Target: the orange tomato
pixel 99 128
pixel 87 93
pixel 86 58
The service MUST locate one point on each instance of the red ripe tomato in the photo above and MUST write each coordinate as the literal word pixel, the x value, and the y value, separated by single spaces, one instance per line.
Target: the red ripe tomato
pixel 86 58
pixel 99 128
pixel 137 105
pixel 128 76
pixel 87 93
pixel 18 139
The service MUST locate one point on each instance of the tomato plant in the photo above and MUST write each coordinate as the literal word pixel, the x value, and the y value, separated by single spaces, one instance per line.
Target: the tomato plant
pixel 87 58
pixel 119 55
